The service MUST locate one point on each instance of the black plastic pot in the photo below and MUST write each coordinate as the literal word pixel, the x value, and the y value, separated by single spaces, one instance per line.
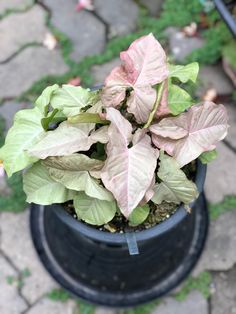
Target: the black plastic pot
pixel 96 265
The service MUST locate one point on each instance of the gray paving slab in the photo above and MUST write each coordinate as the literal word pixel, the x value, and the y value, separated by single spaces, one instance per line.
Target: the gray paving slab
pixel 87 33
pixel 17 245
pixel 10 300
pixel 18 30
pixel 195 303
pixel 213 76
pixel 26 68
pixel 8 5
pixel 100 72
pixel 180 45
pixel 223 301
pixel 121 16
pixel 221 174
pixel 219 253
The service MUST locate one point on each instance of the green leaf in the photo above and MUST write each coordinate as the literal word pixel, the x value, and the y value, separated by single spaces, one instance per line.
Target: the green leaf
pixel 184 72
pixel 46 121
pixel 207 157
pixel 178 99
pixel 94 211
pixel 175 187
pixel 41 189
pixel 139 215
pixel 71 99
pixel 74 172
pixel 26 131
pixel 44 99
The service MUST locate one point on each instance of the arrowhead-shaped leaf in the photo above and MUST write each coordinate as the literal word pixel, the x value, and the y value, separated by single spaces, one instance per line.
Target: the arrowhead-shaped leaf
pixel 94 211
pixel 205 124
pixel 26 131
pixel 144 66
pixel 139 215
pixel 178 99
pixel 44 99
pixel 66 140
pixel 184 72
pixel 41 189
pixel 74 172
pixel 175 187
pixel 71 99
pixel 123 173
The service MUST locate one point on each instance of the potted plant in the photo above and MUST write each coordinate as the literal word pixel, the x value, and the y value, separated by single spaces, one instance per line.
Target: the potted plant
pixel 116 176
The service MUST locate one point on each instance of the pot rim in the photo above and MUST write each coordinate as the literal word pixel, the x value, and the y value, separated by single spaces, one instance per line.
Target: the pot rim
pixel 118 238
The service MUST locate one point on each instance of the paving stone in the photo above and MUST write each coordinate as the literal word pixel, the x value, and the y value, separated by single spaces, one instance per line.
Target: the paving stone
pixel 181 45
pixel 30 65
pixel 17 245
pixel 6 5
pixel 213 76
pixel 10 301
pixel 104 310
pixel 223 301
pixel 46 306
pixel 221 174
pixel 121 16
pixel 30 27
pixel 100 72
pixel 9 109
pixel 153 6
pixel 219 253
pixel 231 137
pixel 195 303
pixel 86 32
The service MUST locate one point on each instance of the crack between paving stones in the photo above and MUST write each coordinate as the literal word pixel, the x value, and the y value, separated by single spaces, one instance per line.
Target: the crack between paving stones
pixel 19 290
pixel 45 7
pixel 15 54
pixel 30 306
pixel 107 26
pixel 233 149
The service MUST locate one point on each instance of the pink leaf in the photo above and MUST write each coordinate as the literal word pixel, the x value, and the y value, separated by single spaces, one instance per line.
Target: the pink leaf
pixel 120 130
pixel 123 173
pixel 141 101
pixel 205 125
pixel 145 62
pixel 163 109
pixel 144 66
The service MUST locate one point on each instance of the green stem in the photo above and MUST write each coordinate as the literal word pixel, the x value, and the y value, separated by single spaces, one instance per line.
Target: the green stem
pixel 87 118
pixel 157 102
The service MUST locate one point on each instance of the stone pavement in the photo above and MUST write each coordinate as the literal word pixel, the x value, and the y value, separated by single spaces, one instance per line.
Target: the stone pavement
pixel 24 284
